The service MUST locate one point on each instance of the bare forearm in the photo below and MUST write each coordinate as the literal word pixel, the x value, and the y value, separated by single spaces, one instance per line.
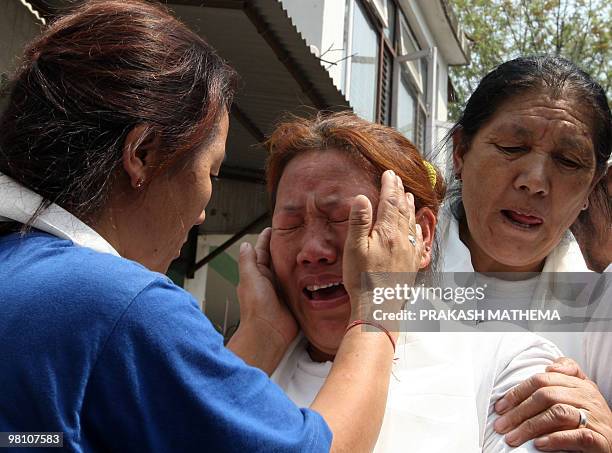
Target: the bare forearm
pixel 354 396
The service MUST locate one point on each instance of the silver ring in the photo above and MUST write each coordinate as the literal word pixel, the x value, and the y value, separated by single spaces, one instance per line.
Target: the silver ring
pixel 583 418
pixel 412 240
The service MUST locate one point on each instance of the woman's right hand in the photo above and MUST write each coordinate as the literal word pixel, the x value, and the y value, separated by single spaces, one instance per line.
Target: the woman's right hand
pixel 382 248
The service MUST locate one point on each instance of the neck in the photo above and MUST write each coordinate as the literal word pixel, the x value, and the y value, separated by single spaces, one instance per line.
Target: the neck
pixel 483 263
pixel 319 356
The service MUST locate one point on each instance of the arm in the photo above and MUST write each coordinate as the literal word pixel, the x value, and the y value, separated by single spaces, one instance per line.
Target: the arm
pixel 547 408
pixel 164 380
pixel 526 355
pixel 354 396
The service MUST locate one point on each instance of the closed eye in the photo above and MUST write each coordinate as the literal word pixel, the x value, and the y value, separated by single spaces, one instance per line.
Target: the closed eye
pixel 569 163
pixel 511 149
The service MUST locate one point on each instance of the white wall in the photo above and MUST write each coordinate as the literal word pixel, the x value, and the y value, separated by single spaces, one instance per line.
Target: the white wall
pixel 322 24
pixel 307 16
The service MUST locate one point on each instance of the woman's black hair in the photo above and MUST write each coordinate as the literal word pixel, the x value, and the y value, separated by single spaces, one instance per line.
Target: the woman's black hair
pixel 557 76
pixel 90 78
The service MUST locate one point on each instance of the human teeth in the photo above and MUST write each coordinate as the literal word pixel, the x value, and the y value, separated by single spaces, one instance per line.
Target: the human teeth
pixel 317 287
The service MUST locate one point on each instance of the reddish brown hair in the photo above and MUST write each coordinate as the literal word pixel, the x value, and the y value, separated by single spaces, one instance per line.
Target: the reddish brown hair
pixel 374 147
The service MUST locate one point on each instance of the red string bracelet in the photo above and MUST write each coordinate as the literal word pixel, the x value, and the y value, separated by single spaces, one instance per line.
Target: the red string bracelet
pixel 359 322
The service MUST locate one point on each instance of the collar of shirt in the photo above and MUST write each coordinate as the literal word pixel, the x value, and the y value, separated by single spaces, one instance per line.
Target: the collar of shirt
pixel 19 204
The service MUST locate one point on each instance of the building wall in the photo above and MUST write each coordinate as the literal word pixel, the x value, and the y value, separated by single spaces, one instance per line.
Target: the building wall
pixel 17 27
pixel 325 23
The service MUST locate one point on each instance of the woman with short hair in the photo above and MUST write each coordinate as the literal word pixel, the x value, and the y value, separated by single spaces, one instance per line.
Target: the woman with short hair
pixel 444 385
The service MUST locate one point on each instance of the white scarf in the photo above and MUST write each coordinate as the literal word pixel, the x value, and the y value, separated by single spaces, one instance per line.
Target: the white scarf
pixel 18 203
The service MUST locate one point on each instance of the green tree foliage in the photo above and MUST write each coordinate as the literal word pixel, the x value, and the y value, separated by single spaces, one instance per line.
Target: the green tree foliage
pixel 500 30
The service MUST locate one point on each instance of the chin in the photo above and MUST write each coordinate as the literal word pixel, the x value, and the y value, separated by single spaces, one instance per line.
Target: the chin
pixel 326 336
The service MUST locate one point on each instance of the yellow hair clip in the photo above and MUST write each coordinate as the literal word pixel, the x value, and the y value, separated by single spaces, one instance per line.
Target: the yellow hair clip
pixel 431 172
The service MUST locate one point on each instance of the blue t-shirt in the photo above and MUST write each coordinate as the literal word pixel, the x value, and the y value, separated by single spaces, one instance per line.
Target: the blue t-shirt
pixel 119 358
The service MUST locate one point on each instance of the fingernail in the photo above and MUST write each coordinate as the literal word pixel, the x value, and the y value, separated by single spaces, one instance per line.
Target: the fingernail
pixel 512 438
pixel 502 406
pixel 541 441
pixel 244 247
pixel 392 172
pixel 501 425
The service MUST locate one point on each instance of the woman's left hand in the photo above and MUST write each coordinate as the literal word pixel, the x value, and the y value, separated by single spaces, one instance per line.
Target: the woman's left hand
pixel 267 327
pixel 546 407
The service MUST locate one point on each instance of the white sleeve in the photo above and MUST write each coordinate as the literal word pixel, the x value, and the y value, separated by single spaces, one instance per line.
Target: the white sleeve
pixel 598 344
pixel 521 355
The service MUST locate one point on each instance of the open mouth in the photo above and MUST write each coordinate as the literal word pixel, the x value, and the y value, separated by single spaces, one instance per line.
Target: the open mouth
pixel 326 292
pixel 521 220
pixel 326 296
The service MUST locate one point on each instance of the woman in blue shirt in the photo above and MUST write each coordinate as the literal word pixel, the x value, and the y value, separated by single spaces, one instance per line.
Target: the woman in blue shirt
pixel 116 121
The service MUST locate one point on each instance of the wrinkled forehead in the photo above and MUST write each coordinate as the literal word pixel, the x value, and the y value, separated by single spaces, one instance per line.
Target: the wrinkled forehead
pixel 539 117
pixel 329 177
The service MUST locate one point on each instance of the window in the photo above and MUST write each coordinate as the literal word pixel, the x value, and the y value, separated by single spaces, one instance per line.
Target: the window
pixel 382 10
pixel 379 87
pixel 391 17
pixel 406 110
pixel 364 65
pixel 416 68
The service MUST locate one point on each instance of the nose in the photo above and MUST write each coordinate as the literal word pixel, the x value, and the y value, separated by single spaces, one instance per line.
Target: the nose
pixel 318 247
pixel 534 175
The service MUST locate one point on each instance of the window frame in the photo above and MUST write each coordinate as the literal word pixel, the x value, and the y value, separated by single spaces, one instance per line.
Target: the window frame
pixel 418 88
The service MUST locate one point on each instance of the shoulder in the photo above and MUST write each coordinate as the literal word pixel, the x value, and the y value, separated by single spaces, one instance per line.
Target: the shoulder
pixel 60 267
pixel 71 284
pixel 512 357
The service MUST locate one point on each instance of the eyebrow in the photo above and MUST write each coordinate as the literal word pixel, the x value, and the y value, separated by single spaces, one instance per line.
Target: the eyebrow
pixel 572 143
pixel 514 128
pixel 327 203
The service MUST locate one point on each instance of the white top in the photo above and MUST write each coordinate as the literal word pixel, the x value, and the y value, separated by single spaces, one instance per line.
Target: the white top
pixel 598 345
pixel 566 257
pixel 19 203
pixel 443 388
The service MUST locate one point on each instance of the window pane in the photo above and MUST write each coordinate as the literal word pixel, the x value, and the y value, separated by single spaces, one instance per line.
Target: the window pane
pixel 364 67
pixel 390 29
pixel 406 109
pixel 409 45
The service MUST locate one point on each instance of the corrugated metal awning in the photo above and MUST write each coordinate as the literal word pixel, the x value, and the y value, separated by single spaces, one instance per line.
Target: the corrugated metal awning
pixel 278 71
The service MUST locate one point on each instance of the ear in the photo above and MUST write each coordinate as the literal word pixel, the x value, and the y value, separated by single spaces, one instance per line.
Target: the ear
pixel 139 152
pixel 458 151
pixel 426 218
